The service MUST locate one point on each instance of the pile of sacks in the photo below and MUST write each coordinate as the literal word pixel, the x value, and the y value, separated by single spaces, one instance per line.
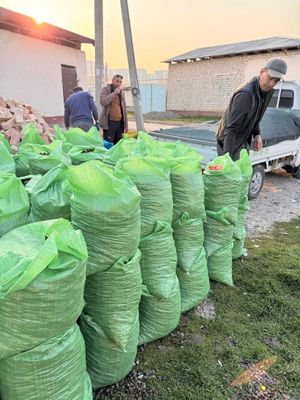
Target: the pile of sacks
pixel 148 231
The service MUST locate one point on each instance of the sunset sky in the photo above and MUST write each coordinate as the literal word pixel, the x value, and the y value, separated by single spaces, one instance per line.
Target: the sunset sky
pixel 165 28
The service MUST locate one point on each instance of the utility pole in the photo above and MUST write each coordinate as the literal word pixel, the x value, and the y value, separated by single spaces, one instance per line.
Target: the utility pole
pixel 98 16
pixel 132 67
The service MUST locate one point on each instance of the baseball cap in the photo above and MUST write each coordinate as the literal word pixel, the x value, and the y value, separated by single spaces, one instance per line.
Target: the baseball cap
pixel 276 68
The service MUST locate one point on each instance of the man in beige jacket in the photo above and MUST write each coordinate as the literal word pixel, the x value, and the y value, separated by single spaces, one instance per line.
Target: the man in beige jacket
pixel 113 118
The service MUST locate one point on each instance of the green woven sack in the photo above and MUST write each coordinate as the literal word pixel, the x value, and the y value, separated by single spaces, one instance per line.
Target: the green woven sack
pixel 222 179
pixel 124 148
pixel 218 230
pixel 50 197
pixel 47 157
pixel 42 277
pixel 7 162
pixel 191 266
pixel 81 146
pixel 80 154
pixel 38 159
pixel 30 182
pixel 112 299
pixel 54 370
pixel 239 235
pixel 30 137
pixel 239 232
pixel 106 206
pixel 5 142
pixel 14 203
pixel 106 362
pixel 187 182
pixel 22 164
pixel 194 282
pixel 152 178
pixel 78 137
pixel 160 305
pixel 220 265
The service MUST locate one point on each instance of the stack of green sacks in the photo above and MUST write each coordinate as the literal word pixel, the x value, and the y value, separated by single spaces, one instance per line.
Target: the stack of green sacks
pixel 105 205
pixel 239 232
pixel 14 203
pixel 42 276
pixel 222 179
pixel 79 145
pixel 188 217
pixel 160 304
pixel 50 196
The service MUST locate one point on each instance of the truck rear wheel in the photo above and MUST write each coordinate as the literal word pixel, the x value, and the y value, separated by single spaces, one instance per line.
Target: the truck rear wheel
pixel 296 172
pixel 256 182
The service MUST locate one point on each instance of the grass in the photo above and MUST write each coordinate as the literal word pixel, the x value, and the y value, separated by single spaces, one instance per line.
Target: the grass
pixel 181 120
pixel 203 356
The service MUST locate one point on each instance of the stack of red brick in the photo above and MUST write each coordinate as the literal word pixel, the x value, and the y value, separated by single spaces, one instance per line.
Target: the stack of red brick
pixel 14 115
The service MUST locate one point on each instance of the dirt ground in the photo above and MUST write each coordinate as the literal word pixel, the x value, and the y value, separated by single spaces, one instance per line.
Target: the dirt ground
pixel 278 201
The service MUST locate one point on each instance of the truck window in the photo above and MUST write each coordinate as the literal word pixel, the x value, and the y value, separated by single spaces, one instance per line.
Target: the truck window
pixel 274 98
pixel 286 99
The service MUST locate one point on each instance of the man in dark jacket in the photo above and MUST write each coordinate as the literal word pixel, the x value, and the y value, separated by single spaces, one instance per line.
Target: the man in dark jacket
pixel 113 118
pixel 81 109
pixel 239 127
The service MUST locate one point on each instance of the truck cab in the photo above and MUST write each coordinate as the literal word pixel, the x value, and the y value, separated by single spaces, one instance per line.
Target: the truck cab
pixel 286 95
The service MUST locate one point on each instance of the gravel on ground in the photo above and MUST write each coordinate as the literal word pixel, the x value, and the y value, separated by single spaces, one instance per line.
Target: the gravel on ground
pixel 279 201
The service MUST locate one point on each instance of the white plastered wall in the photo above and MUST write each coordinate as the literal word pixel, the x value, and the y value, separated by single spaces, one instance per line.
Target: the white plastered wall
pixel 30 71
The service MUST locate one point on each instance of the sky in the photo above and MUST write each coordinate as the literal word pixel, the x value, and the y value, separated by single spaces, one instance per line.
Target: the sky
pixel 165 28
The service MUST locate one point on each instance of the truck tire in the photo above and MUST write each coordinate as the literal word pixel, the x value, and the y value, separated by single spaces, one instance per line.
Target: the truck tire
pixel 296 172
pixel 256 182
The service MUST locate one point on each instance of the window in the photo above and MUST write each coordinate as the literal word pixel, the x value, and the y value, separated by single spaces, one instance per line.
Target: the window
pixel 274 98
pixel 286 99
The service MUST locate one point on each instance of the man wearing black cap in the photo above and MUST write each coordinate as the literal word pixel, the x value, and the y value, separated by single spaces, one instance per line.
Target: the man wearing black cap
pixel 239 127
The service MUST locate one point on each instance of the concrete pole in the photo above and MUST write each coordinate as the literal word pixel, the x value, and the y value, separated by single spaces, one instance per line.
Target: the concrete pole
pixel 98 15
pixel 132 67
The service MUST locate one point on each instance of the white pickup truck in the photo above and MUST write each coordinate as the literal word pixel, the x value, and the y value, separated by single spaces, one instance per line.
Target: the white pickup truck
pixel 280 128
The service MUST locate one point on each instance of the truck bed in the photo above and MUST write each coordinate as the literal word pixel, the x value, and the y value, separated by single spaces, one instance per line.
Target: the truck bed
pixel 280 131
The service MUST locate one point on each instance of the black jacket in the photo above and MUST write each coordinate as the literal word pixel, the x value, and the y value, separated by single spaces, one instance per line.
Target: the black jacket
pixel 240 122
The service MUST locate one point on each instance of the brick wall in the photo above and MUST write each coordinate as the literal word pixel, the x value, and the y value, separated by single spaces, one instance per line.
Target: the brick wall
pixel 205 87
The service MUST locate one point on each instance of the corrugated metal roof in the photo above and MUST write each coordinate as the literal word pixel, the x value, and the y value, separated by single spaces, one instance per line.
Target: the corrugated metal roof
pixel 253 46
pixel 19 23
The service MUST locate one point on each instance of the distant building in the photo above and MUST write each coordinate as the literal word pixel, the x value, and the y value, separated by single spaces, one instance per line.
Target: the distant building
pixel 201 81
pixel 40 64
pixel 153 86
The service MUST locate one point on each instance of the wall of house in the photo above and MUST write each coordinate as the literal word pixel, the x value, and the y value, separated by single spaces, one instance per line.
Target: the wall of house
pixel 205 87
pixel 31 71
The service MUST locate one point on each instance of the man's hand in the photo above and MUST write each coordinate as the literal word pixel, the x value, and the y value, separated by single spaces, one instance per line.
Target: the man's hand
pixel 257 143
pixel 117 91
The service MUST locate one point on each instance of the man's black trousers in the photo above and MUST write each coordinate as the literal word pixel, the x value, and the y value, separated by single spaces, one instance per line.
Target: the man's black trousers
pixel 114 132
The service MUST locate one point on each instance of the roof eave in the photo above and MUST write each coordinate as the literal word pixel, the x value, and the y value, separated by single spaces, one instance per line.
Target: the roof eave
pixel 281 48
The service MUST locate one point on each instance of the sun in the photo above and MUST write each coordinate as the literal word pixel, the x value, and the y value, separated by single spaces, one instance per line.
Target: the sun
pixel 37 14
pixel 38 20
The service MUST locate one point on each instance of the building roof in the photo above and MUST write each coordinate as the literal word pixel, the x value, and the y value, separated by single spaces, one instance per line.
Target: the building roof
pixel 251 47
pixel 24 25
